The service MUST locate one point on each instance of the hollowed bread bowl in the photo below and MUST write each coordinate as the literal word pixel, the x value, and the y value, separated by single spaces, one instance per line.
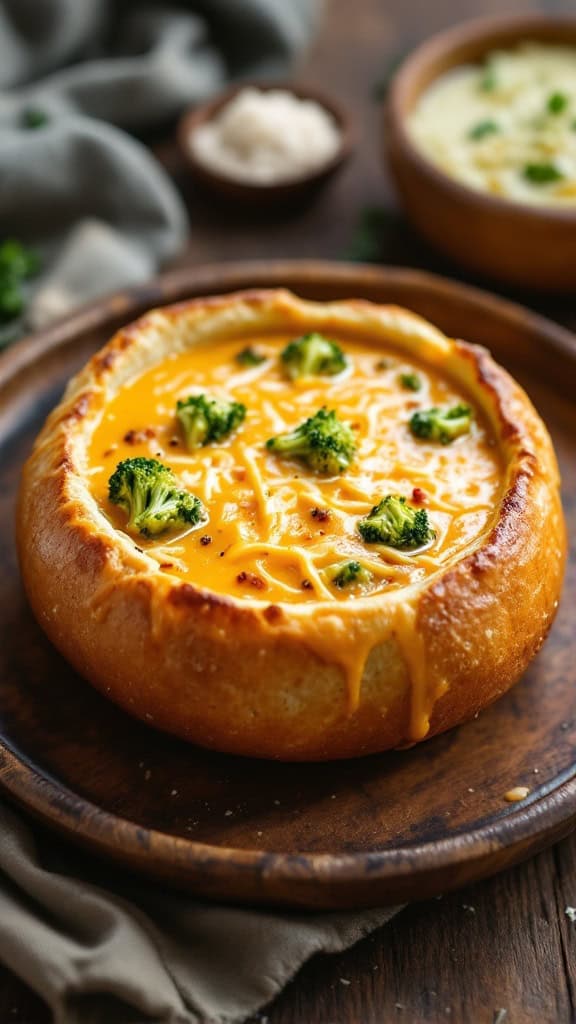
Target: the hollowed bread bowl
pixel 327 675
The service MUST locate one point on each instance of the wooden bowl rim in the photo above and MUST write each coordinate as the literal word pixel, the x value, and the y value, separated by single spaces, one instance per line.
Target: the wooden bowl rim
pixel 105 830
pixel 194 117
pixel 443 43
pixel 121 839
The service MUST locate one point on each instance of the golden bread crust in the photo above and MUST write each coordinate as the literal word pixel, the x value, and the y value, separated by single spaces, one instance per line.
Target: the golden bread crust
pixel 263 680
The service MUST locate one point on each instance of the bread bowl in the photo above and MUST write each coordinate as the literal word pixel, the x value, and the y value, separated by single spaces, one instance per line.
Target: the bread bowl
pixel 243 642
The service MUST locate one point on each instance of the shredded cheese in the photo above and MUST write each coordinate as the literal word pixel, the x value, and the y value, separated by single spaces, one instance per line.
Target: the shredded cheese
pixel 277 512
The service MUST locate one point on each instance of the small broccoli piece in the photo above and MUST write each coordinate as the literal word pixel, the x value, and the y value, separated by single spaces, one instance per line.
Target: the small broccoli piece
pixel 148 492
pixel 313 355
pixel 250 357
pixel 489 79
pixel 204 419
pixel 396 524
pixel 410 381
pixel 443 425
pixel 347 574
pixel 323 442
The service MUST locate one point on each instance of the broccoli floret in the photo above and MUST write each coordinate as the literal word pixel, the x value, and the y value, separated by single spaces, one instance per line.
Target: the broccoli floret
pixel 313 355
pixel 205 419
pixel 347 574
pixel 148 491
pixel 396 524
pixel 443 425
pixel 323 442
pixel 250 357
pixel 482 129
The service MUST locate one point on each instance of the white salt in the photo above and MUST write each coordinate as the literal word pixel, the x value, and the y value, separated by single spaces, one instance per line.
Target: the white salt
pixel 267 138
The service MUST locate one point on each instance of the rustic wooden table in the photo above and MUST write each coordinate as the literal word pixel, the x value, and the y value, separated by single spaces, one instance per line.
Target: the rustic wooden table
pixel 503 950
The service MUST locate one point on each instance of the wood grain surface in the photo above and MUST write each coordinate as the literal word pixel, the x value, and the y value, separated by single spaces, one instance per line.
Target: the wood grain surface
pixel 439 960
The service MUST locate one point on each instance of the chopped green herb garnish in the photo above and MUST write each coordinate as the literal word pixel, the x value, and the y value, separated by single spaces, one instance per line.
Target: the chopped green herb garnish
pixel 410 381
pixel 557 103
pixel 250 357
pixel 16 261
pixel 488 79
pixel 347 574
pixel 542 174
pixel 482 129
pixel 376 227
pixel 32 118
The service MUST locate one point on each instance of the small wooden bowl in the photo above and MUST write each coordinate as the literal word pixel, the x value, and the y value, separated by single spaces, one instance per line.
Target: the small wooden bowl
pixel 287 192
pixel 504 239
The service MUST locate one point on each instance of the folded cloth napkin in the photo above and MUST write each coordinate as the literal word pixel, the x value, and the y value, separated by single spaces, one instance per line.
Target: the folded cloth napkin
pixel 128 951
pixel 73 75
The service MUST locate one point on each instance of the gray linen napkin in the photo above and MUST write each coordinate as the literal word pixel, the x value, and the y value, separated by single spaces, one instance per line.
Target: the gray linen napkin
pixel 102 209
pixel 135 951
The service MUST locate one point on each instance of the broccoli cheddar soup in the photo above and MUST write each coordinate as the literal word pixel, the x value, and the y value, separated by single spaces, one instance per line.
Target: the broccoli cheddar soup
pixel 506 126
pixel 296 469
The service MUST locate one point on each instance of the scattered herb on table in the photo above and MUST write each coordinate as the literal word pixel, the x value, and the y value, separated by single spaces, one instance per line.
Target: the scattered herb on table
pixel 489 78
pixel 17 264
pixel 381 87
pixel 483 129
pixel 375 224
pixel 347 574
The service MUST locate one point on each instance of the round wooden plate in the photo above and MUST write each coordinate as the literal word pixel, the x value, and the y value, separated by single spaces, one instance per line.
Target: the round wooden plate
pixel 379 830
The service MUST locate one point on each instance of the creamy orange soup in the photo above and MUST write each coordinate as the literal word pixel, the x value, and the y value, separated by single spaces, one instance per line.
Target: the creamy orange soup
pixel 274 525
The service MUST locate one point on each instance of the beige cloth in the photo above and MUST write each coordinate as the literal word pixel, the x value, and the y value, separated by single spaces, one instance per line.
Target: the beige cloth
pixel 101 947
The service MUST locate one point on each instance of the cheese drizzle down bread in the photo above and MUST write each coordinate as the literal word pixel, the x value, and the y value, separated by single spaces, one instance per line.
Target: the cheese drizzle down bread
pixel 235 632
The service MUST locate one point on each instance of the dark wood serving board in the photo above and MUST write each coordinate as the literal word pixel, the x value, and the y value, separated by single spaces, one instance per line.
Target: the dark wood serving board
pixel 382 829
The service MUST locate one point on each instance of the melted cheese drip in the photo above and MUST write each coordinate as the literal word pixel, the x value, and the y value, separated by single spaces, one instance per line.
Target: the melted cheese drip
pixel 267 544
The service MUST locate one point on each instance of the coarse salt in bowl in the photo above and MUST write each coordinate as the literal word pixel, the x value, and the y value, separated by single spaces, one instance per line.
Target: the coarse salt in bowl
pixel 266 137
